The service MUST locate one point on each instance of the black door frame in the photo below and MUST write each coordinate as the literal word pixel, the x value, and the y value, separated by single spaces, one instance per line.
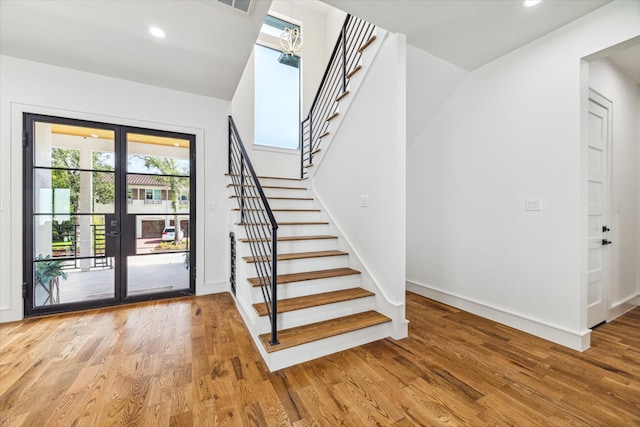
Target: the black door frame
pixel 120 152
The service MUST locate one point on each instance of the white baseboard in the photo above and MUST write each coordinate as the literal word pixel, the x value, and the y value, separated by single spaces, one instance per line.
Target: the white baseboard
pixel 620 308
pixel 579 341
pixel 213 288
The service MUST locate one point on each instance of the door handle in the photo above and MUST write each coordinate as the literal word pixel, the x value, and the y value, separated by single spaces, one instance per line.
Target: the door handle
pixel 606 242
pixel 605 229
pixel 112 234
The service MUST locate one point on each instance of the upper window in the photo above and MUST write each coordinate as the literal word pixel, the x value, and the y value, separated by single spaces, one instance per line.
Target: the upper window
pixel 277 92
pixel 153 195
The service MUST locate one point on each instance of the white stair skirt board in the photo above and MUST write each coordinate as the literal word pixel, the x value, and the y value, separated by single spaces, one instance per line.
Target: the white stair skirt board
pixel 576 340
pixel 313 350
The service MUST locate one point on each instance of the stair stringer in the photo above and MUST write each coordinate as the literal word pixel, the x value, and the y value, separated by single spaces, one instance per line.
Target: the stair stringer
pixel 367 58
pixel 383 304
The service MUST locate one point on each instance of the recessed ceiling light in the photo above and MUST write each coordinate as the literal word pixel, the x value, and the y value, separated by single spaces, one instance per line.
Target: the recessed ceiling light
pixel 93 135
pixel 157 32
pixel 176 144
pixel 529 3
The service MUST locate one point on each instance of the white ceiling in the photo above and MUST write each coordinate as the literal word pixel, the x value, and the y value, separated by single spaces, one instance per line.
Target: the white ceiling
pixel 208 45
pixel 468 33
pixel 206 48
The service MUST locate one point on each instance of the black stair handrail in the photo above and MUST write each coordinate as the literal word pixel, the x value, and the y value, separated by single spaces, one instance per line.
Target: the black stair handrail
pixel 346 54
pixel 260 225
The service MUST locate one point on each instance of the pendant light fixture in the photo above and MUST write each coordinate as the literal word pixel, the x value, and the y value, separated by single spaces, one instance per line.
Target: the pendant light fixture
pixel 291 38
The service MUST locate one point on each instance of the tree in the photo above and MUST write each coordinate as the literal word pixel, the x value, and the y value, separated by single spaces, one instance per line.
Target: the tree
pixel 103 188
pixel 69 178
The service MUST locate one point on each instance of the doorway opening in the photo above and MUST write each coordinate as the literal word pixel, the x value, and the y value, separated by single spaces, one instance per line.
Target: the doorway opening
pixel 109 214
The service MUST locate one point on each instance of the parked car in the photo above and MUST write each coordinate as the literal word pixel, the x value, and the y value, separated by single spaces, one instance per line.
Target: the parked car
pixel 169 234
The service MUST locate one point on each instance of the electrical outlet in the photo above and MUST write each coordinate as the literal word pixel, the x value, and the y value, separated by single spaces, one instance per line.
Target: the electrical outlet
pixel 533 204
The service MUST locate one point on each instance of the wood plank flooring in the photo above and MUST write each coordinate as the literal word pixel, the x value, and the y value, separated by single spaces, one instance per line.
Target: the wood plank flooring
pixel 190 362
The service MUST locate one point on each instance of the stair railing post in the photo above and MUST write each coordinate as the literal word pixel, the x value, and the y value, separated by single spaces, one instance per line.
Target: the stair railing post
pixel 343 35
pixel 242 188
pixel 310 136
pixel 302 149
pixel 274 285
pixel 229 156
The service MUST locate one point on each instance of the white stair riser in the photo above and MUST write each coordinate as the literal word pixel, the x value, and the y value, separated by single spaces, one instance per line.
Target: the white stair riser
pixel 309 287
pixel 294 230
pixel 302 265
pixel 286 216
pixel 243 249
pixel 313 350
pixel 317 314
pixel 285 192
pixel 291 204
pixel 284 182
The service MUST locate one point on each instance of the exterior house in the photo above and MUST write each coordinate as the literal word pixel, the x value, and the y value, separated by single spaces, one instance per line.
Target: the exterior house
pixel 448 158
pixel 147 196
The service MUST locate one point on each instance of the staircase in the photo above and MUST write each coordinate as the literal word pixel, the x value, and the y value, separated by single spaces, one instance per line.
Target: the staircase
pixel 322 304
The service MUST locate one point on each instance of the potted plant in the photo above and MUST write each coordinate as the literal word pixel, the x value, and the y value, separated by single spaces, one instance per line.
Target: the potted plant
pixel 47 273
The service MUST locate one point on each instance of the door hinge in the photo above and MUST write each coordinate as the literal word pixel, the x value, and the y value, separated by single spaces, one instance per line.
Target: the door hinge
pixel 24 289
pixel 25 137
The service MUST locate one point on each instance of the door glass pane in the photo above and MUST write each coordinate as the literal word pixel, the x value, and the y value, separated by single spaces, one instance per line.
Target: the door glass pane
pixel 74 185
pixel 158 203
pixel 156 273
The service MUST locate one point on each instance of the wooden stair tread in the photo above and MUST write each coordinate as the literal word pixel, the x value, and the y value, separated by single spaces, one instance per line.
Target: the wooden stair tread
pixel 324 134
pixel 329 328
pixel 282 210
pixel 308 275
pixel 268 177
pixel 345 93
pixel 354 71
pixel 275 198
pixel 298 255
pixel 333 116
pixel 315 300
pixel 285 223
pixel 270 186
pixel 290 238
pixel 367 43
pixel 317 150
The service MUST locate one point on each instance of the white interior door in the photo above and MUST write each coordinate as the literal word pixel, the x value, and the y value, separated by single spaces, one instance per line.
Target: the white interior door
pixel 598 176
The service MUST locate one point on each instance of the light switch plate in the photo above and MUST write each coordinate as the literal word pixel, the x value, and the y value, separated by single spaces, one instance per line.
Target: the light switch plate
pixel 533 204
pixel 364 201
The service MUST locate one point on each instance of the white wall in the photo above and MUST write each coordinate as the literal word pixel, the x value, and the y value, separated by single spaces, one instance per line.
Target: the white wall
pixel 316 28
pixel 512 130
pixel 33 87
pixel 367 156
pixel 430 82
pixel 638 199
pixel 622 91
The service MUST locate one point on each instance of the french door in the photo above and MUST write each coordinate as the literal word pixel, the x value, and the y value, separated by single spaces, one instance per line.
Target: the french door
pixel 109 214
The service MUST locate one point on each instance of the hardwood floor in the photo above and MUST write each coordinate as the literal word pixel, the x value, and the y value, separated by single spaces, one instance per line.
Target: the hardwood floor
pixel 190 361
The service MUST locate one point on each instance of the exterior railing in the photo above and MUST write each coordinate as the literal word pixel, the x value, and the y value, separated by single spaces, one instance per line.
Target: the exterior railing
pixel 345 58
pixel 259 223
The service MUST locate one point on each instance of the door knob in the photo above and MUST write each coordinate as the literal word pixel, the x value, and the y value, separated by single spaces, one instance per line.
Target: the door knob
pixel 605 229
pixel 606 242
pixel 112 234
